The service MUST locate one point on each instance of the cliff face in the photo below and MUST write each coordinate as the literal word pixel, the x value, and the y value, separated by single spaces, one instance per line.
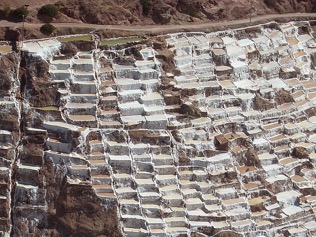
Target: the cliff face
pixel 37 198
pixel 10 133
pixel 79 212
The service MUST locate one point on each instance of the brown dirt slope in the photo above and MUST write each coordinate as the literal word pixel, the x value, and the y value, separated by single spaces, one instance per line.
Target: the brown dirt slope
pixel 172 11
pixel 18 3
pixel 129 12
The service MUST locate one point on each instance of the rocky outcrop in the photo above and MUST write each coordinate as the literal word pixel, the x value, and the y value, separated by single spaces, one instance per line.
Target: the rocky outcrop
pixel 191 110
pixel 69 49
pixel 8 68
pixel 10 135
pixel 251 158
pixel 300 153
pixel 79 212
pixel 283 96
pixel 261 103
pixel 36 82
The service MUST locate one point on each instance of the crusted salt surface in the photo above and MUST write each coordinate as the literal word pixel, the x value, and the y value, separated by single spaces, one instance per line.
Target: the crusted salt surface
pixel 226 144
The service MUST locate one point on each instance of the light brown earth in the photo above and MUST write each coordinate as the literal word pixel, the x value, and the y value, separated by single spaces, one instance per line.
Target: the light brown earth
pixel 32 29
pixel 131 12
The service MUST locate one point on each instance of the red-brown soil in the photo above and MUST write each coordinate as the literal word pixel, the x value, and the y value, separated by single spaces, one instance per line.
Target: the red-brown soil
pixel 131 12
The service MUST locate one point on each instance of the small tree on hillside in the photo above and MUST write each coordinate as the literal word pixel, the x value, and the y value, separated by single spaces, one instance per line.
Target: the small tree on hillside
pixel 270 3
pixel 48 10
pixel 6 11
pixel 147 6
pixel 19 13
pixel 47 29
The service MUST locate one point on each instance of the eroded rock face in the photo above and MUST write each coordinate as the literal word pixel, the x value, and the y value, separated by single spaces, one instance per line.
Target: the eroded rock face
pixel 80 212
pixel 251 158
pixel 10 133
pixel 313 56
pixel 69 49
pixel 36 82
pixel 165 56
pixel 192 8
pixel 227 234
pixel 283 96
pixel 8 69
pixel 37 198
pixel 262 103
pixel 191 110
pixel 71 209
pixel 300 153
pixel 82 46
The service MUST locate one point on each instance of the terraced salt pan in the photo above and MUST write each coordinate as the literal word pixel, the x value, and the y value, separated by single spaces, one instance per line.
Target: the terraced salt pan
pixel 219 76
pixel 45 48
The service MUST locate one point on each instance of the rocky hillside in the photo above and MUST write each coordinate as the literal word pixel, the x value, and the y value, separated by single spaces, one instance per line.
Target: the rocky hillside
pixel 174 11
pixel 162 11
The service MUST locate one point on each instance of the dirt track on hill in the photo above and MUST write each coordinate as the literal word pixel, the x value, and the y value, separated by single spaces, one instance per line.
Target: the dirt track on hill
pixel 162 29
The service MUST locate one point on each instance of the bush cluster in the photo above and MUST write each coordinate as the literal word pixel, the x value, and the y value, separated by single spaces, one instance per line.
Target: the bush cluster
pixel 47 29
pixel 19 13
pixel 270 3
pixel 48 10
pixel 6 11
pixel 147 6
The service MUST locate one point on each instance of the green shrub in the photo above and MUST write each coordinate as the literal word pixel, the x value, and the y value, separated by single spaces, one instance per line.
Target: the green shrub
pixel 48 10
pixel 270 3
pixel 147 6
pixel 19 13
pixel 47 29
pixel 6 11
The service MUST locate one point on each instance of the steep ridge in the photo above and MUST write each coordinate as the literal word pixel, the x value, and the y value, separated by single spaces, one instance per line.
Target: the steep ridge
pixel 139 12
pixel 10 134
pixel 192 134
pixel 175 12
